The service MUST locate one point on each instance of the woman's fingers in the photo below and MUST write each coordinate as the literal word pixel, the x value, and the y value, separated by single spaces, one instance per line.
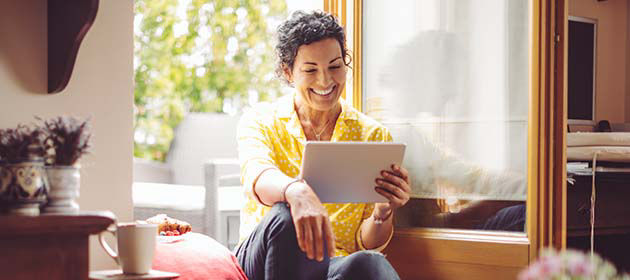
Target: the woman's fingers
pixel 396 180
pixel 402 171
pixel 393 189
pixel 313 230
pixel 299 234
pixel 316 223
pixel 313 237
pixel 308 238
pixel 386 194
pixel 330 238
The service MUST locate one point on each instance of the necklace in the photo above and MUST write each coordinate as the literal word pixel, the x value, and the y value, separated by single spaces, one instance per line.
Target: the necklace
pixel 317 135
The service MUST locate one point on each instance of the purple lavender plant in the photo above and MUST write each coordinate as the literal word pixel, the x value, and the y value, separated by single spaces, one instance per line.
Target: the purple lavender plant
pixel 20 144
pixel 67 139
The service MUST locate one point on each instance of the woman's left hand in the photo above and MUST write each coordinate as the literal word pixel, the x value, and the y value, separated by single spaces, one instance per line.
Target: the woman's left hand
pixel 394 185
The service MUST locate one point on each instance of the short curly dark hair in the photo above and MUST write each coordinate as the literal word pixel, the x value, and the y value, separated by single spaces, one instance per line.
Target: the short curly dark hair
pixel 303 28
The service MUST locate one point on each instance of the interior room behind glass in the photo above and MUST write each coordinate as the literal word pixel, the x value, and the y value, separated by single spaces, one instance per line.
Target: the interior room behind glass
pixel 598 140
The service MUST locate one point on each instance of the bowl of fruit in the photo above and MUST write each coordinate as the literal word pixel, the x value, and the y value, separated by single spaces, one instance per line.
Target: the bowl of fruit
pixel 169 229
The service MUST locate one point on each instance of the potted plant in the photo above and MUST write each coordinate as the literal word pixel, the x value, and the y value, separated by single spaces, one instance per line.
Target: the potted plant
pixel 67 140
pixel 23 186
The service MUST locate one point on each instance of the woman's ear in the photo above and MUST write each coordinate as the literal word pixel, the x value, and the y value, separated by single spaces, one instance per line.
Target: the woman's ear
pixel 287 73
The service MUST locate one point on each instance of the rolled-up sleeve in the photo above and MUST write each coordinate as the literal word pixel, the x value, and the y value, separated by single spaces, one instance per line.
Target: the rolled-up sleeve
pixel 254 148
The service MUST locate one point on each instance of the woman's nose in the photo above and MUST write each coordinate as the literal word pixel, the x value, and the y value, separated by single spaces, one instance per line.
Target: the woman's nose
pixel 324 78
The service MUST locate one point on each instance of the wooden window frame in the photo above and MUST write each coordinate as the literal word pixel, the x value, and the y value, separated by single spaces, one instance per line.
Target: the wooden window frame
pixel 507 253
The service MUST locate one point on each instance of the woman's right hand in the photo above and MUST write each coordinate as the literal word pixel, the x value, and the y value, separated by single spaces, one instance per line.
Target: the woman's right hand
pixel 312 225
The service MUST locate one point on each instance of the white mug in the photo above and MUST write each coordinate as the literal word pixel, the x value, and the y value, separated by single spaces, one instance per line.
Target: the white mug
pixel 136 246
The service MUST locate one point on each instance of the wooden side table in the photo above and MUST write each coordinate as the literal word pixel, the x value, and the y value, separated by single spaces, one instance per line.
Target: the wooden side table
pixel 49 246
pixel 118 275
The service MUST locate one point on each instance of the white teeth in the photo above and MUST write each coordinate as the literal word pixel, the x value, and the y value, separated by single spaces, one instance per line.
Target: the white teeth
pixel 323 92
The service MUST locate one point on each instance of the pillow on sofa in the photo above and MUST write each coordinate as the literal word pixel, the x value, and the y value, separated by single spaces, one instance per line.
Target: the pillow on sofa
pixel 197 256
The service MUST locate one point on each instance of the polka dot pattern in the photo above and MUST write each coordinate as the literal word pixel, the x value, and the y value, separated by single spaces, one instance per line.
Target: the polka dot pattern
pixel 279 141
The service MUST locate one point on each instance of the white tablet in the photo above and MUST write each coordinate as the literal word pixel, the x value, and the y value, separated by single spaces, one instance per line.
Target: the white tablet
pixel 341 172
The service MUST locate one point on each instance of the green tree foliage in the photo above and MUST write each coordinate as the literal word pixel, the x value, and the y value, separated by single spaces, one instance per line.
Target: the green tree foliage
pixel 199 56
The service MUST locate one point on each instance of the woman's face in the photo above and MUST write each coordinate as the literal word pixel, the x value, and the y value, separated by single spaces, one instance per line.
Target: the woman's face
pixel 319 74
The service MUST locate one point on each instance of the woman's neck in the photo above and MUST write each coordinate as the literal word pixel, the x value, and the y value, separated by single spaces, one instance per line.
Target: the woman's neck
pixel 316 118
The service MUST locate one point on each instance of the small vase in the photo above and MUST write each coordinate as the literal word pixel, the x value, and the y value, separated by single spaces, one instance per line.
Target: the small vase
pixel 23 187
pixel 64 182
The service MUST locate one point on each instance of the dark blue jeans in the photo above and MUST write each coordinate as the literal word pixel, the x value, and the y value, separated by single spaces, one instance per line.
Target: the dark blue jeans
pixel 510 218
pixel 271 252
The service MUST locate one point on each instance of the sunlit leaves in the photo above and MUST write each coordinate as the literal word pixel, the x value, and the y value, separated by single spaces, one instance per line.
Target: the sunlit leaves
pixel 198 56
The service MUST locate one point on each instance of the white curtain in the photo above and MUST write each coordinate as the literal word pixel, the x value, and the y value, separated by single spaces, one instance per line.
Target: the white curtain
pixel 451 79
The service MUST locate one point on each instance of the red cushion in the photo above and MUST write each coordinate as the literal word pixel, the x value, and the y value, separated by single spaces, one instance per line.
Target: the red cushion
pixel 197 256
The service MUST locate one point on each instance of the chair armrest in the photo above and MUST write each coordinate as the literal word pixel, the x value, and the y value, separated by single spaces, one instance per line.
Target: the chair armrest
pixel 213 170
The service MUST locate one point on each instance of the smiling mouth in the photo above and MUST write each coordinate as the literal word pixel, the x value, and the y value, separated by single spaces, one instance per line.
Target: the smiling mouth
pixel 325 92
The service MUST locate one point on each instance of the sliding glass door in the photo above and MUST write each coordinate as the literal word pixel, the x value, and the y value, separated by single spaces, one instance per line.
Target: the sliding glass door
pixel 467 86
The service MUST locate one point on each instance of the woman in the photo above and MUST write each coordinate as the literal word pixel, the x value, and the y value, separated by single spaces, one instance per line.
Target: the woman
pixel 286 232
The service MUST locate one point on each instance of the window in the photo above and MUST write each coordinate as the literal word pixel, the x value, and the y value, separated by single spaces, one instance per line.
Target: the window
pixel 451 79
pixel 582 42
pixel 519 71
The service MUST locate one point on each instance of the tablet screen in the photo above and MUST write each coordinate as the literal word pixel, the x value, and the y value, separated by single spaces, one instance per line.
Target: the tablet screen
pixel 342 172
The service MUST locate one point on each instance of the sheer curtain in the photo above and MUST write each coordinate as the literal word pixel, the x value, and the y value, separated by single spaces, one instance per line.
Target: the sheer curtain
pixel 451 79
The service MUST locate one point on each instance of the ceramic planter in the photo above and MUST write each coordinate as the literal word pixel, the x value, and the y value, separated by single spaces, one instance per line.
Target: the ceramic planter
pixel 23 187
pixel 64 182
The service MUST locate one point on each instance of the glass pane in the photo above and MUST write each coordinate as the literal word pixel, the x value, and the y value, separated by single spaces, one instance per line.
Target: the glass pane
pixel 450 78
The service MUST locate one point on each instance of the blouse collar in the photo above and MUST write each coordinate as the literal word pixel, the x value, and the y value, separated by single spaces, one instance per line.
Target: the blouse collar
pixel 286 111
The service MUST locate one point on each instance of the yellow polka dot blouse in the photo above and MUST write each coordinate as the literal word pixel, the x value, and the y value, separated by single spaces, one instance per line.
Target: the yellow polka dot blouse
pixel 270 135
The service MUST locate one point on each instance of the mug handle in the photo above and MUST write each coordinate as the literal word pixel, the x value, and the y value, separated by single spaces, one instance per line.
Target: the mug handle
pixel 108 250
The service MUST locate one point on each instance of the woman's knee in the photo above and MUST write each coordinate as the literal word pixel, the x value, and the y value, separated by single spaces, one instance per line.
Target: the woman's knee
pixel 280 222
pixel 365 259
pixel 281 213
pixel 370 264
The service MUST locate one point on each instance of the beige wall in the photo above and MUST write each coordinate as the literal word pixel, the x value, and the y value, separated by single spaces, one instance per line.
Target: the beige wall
pixel 101 87
pixel 610 100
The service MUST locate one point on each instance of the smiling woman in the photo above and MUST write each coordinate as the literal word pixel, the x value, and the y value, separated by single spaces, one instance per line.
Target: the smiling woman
pixel 319 81
pixel 316 66
pixel 286 232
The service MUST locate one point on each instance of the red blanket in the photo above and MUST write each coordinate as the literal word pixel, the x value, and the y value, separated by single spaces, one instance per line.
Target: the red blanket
pixel 197 256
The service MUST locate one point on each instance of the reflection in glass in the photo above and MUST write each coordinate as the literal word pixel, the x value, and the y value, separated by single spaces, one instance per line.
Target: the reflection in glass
pixel 451 79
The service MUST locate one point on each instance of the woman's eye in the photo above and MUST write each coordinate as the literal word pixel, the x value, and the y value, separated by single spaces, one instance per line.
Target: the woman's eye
pixel 335 67
pixel 310 70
